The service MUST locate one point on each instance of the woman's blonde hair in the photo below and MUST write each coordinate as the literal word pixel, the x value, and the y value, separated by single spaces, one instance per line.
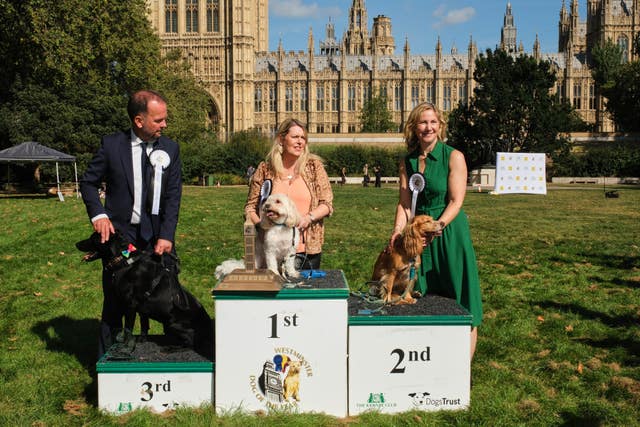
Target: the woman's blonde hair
pixel 410 137
pixel 274 158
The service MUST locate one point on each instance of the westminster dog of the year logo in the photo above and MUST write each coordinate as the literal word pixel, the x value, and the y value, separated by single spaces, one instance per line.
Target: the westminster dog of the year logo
pixel 280 380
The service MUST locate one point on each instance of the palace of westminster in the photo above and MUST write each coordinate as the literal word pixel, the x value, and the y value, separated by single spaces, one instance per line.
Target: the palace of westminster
pixel 226 42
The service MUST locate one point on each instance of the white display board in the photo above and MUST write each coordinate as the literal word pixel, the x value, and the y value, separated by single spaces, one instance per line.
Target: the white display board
pixel 408 367
pixel 119 393
pixel 282 354
pixel 520 173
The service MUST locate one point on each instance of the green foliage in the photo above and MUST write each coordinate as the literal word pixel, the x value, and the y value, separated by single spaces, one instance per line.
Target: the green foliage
pixel 70 120
pixel 619 161
pixel 623 97
pixel 206 156
pixel 199 158
pixel 512 110
pixel 353 158
pixel 246 148
pixel 607 59
pixel 375 115
pixel 68 66
pixel 188 103
pixel 619 83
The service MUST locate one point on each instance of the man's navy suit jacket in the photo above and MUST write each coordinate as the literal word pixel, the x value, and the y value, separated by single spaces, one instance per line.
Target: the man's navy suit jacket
pixel 113 164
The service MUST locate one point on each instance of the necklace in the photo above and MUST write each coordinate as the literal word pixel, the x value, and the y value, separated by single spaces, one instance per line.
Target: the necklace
pixel 290 174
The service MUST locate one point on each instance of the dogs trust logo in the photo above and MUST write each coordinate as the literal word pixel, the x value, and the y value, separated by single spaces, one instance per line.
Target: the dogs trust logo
pixel 423 399
pixel 279 383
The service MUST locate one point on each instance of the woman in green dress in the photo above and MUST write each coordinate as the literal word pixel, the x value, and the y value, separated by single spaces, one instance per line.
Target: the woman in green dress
pixel 448 264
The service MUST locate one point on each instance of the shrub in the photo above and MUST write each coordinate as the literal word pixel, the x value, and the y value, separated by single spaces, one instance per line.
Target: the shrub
pixel 353 158
pixel 619 161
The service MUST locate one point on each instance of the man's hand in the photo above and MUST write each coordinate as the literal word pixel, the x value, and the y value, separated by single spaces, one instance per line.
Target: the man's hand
pixel 163 246
pixel 104 227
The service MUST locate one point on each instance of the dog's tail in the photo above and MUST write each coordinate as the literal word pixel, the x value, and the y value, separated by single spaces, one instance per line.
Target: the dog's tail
pixel 227 267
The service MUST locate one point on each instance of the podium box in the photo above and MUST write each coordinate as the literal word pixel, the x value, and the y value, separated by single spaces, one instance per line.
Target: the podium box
pixel 284 350
pixel 409 357
pixel 157 378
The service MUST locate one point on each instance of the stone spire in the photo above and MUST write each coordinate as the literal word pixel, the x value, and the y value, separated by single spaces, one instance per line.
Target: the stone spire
pixel 508 33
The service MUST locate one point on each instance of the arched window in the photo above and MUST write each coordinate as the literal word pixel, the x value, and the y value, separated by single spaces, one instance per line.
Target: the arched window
pixel 213 16
pixel 623 43
pixel 192 16
pixel 171 16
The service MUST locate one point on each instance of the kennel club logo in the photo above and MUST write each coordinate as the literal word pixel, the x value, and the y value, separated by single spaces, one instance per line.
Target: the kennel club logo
pixel 376 401
pixel 280 382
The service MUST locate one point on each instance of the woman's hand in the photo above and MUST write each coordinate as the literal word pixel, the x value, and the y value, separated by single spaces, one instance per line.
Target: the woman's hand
pixel 392 239
pixel 305 222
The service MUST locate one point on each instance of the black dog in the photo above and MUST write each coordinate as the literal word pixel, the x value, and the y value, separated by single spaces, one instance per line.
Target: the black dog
pixel 144 285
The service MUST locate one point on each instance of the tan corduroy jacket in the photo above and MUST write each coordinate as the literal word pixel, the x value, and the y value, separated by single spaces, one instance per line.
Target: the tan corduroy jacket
pixel 315 176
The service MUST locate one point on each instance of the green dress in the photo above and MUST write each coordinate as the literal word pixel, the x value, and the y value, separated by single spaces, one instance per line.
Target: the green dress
pixel 449 265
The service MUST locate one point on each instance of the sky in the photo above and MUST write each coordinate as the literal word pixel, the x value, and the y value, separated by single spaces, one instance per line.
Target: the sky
pixel 422 22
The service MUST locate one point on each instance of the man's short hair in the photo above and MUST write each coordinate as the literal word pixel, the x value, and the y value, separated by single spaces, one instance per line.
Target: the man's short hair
pixel 138 102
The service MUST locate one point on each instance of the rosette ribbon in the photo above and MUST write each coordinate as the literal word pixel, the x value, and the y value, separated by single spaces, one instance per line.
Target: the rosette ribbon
pixel 265 192
pixel 416 185
pixel 160 160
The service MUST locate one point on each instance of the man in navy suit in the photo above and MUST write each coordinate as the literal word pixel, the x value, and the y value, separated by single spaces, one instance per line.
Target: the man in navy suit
pixel 142 172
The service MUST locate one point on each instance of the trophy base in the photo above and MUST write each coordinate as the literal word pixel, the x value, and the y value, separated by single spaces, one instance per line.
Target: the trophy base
pixel 250 280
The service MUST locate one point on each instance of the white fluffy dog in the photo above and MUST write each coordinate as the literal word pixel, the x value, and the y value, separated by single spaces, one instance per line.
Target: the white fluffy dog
pixel 278 236
pixel 276 240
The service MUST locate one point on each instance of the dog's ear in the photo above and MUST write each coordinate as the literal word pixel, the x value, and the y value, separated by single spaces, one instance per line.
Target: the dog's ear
pixel 411 395
pixel 87 245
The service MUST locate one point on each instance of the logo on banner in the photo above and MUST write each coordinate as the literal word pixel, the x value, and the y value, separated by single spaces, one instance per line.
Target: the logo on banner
pixel 124 407
pixel 376 401
pixel 423 399
pixel 280 383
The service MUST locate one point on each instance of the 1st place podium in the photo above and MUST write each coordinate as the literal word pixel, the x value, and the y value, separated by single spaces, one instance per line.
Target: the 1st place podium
pixel 283 349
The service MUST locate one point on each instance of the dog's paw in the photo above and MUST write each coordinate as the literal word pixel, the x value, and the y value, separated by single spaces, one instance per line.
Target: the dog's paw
pixel 292 274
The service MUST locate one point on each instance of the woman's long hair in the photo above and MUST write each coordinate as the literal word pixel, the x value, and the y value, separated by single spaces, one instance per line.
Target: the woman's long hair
pixel 410 137
pixel 274 157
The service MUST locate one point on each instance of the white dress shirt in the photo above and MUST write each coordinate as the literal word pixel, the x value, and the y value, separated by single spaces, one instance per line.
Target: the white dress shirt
pixel 136 151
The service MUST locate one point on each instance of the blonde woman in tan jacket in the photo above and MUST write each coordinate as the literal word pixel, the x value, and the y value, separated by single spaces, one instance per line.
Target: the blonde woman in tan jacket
pixel 296 172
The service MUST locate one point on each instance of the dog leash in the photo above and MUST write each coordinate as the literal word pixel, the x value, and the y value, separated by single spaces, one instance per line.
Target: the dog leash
pixel 368 298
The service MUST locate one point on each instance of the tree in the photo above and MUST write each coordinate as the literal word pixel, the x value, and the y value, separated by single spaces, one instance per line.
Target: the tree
pixel 607 59
pixel 375 115
pixel 68 66
pixel 619 83
pixel 512 110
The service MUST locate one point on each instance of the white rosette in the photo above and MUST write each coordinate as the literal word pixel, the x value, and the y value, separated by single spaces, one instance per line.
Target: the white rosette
pixel 160 160
pixel 265 192
pixel 416 185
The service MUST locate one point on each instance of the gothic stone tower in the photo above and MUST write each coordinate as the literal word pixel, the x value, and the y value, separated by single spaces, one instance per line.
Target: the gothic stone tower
pixel 219 38
pixel 508 33
pixel 356 39
pixel 382 39
pixel 614 20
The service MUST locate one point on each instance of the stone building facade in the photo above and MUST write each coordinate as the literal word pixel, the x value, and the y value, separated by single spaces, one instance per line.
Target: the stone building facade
pixel 226 41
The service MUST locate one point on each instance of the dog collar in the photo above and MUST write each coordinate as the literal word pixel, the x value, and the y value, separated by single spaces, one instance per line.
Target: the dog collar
pixel 121 262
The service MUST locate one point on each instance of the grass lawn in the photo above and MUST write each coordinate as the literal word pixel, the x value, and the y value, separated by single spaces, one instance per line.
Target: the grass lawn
pixel 560 274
